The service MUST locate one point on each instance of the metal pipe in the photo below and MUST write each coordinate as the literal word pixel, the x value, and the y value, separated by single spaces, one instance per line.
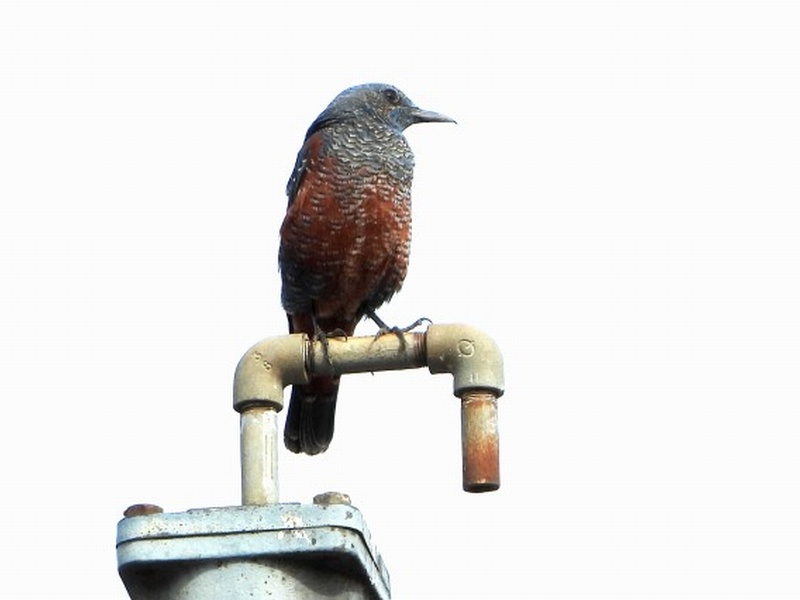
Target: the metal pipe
pixel 262 373
pixel 471 356
pixel 480 443
pixel 268 367
pixel 389 352
pixel 259 455
pixel 476 363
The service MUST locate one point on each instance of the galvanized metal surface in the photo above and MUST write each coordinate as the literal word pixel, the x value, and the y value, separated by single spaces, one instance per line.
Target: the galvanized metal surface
pixel 276 551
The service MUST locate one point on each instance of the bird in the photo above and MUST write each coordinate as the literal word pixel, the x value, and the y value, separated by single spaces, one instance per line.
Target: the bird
pixel 345 238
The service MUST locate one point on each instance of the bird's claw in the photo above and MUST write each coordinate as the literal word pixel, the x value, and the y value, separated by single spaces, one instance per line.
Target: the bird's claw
pixel 384 329
pixel 416 324
pixel 399 331
pixel 323 336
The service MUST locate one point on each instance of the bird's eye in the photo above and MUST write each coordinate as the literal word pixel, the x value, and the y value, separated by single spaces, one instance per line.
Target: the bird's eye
pixel 391 96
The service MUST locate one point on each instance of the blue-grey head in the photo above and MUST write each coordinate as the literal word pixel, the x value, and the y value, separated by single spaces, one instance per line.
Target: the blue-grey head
pixel 379 101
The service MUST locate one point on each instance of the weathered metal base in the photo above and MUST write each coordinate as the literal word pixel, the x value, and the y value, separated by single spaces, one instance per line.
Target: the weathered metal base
pixel 275 551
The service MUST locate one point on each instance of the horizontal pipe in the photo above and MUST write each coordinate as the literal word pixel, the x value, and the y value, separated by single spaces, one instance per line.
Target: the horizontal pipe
pixel 388 352
pixel 471 356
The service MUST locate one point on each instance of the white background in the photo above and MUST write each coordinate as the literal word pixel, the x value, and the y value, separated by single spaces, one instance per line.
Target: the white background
pixel 618 208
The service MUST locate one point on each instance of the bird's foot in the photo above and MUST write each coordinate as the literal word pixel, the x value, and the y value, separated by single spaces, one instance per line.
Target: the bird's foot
pixel 322 336
pixel 411 327
pixel 384 329
pixel 337 333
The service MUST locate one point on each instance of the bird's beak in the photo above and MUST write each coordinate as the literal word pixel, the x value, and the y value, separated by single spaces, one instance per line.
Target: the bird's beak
pixel 427 116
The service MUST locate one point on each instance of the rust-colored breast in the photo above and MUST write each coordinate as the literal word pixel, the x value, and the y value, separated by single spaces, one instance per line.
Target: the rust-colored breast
pixel 346 236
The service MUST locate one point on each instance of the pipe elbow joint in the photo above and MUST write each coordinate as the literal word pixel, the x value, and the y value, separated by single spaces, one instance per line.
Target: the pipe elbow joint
pixel 469 354
pixel 267 368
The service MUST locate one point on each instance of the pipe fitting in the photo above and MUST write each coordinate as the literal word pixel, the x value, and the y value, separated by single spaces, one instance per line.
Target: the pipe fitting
pixel 267 368
pixel 477 367
pixel 262 373
pixel 469 354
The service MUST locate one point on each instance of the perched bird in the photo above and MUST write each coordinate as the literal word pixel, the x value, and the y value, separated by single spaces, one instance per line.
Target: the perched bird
pixel 346 236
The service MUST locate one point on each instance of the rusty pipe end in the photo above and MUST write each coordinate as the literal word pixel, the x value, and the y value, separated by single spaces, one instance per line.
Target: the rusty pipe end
pixel 480 442
pixel 476 364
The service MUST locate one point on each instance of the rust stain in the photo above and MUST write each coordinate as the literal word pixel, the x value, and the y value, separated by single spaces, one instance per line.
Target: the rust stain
pixel 480 442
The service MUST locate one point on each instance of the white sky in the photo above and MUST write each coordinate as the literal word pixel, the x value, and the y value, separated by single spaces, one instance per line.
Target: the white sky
pixel 618 207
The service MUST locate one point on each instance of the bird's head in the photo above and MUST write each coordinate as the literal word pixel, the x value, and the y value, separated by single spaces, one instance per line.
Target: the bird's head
pixel 378 101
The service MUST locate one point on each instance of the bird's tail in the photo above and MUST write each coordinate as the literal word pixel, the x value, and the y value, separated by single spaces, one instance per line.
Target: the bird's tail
pixel 309 423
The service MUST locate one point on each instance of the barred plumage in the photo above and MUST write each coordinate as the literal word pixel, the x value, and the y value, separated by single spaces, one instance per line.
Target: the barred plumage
pixel 346 237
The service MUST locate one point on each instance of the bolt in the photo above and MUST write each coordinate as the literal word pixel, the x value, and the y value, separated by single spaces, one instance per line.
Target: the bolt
pixel 140 510
pixel 328 498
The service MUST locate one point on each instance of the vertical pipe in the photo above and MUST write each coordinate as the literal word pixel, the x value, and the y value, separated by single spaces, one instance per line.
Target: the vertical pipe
pixel 259 448
pixel 479 441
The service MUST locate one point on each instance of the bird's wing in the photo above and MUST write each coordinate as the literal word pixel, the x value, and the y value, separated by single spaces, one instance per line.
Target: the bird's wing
pixel 307 256
pixel 311 147
pixel 298 173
